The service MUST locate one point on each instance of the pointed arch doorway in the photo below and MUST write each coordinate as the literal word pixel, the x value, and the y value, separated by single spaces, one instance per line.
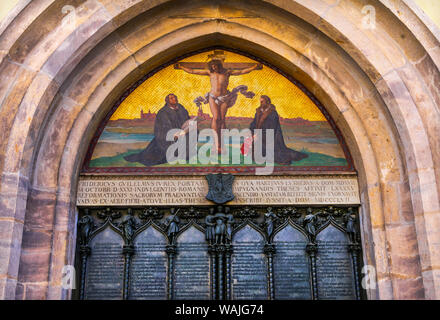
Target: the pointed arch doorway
pixel 147 230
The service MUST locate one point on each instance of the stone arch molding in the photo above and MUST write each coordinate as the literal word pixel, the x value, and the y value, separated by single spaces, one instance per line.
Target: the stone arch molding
pixel 65 62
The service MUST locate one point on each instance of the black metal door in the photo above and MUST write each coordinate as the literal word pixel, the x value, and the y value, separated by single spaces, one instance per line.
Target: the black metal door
pixel 218 252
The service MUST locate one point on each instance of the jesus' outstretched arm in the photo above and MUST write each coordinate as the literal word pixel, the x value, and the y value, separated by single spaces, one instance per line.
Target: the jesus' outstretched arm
pixel 247 70
pixel 192 71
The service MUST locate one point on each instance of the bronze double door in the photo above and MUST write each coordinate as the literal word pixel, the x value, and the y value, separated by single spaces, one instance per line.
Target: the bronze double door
pixel 203 253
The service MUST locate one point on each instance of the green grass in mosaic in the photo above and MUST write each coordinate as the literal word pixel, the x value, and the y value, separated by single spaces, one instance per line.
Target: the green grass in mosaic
pixel 313 159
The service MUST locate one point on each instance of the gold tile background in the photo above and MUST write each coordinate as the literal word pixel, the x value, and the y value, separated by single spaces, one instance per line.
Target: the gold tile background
pixel 288 99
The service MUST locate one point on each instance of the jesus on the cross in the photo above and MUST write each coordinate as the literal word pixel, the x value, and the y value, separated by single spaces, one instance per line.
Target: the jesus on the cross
pixel 220 98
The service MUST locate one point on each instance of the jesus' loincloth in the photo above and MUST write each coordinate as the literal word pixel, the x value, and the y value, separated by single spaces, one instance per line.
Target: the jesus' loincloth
pixel 230 98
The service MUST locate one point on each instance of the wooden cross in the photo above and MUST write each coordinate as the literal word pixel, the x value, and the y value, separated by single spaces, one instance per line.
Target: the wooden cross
pixel 219 55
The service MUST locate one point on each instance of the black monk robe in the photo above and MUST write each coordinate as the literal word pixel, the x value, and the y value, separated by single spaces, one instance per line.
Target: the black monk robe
pixel 269 119
pixel 166 119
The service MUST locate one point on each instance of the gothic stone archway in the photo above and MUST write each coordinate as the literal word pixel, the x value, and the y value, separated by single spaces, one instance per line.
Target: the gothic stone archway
pixel 60 77
pixel 246 250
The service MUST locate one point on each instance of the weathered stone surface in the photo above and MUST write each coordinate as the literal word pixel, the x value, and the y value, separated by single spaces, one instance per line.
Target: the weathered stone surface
pixel 411 13
pixel 11 28
pixel 10 71
pixel 344 24
pixel 35 291
pixel 404 251
pixel 406 209
pixel 103 60
pixel 409 289
pixel 42 204
pixel 426 67
pixel 122 11
pixel 376 207
pixel 46 22
pixel 59 250
pixel 405 45
pixel 391 206
pixel 432 225
pixel 37 239
pixel 10 246
pixel 381 255
pixel 19 292
pixel 13 196
pixel 385 289
pixel 48 162
pixel 70 166
pixel 38 91
pixel 37 112
pixel 34 265
pixel 9 108
pixel 76 45
pixel 431 276
pixel 7 288
pixel 405 110
pixel 427 99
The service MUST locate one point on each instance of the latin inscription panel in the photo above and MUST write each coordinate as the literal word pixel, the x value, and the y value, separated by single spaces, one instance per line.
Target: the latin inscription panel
pixel 291 265
pixel 148 272
pixel 249 266
pixel 105 267
pixel 140 191
pixel 334 267
pixel 191 274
